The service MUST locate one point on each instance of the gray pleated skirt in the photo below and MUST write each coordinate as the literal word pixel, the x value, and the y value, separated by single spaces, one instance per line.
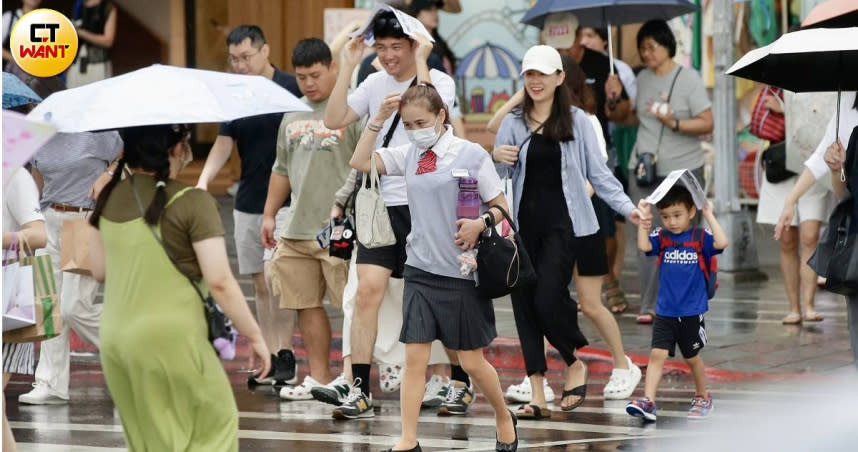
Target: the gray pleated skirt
pixel 18 358
pixel 447 309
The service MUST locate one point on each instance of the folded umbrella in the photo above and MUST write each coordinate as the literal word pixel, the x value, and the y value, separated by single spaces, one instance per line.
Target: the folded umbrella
pixel 16 92
pixel 161 94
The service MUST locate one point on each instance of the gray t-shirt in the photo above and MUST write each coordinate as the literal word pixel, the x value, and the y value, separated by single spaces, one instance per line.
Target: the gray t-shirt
pixel 70 163
pixel 689 99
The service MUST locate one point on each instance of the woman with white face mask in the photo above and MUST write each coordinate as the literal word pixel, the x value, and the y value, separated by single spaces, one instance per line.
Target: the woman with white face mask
pixel 440 303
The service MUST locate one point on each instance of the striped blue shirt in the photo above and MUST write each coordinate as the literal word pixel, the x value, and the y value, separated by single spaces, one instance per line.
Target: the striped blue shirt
pixel 580 161
pixel 70 162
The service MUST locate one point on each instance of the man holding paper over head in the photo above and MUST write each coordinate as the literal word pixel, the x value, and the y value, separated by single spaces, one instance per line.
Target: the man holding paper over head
pixel 403 45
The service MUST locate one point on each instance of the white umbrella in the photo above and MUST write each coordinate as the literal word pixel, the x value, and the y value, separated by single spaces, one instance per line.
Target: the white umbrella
pixel 162 94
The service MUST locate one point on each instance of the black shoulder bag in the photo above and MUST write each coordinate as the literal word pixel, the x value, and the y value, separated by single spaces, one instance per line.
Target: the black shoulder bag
pixel 836 257
pixel 645 173
pixel 222 335
pixel 774 162
pixel 502 262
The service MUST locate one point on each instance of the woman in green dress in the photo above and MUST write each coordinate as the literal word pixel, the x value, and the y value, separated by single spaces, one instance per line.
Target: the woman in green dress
pixel 165 378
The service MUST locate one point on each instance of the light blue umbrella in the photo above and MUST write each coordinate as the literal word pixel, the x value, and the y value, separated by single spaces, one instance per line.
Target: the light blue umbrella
pixel 604 13
pixel 16 93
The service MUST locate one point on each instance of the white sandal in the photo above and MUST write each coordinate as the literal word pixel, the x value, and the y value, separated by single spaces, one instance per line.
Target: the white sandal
pixel 623 382
pixel 523 393
pixel 300 392
pixel 390 377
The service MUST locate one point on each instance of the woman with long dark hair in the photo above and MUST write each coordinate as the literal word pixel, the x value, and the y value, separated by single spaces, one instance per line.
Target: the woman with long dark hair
pixel 164 376
pixel 550 150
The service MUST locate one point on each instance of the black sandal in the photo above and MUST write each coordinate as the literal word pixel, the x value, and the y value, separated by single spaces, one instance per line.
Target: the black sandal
pixel 536 412
pixel 579 391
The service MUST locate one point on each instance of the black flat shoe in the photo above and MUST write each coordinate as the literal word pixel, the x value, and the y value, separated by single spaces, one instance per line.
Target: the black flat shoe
pixel 513 446
pixel 413 449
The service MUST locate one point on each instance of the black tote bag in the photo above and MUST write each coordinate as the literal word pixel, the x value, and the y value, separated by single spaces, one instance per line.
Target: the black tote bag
pixel 502 262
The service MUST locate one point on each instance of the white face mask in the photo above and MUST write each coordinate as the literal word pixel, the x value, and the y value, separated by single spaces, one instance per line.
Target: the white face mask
pixel 424 138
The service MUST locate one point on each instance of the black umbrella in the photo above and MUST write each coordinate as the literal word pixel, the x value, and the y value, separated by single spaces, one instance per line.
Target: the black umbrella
pixel 819 59
pixel 604 13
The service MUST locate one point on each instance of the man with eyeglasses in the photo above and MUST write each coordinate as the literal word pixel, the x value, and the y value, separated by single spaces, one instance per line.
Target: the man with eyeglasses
pixel 256 140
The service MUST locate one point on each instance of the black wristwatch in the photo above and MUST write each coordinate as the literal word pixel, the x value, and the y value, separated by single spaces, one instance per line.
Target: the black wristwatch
pixel 676 125
pixel 487 220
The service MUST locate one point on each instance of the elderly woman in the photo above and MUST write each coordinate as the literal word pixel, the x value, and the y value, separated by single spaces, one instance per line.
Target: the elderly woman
pixel 671 134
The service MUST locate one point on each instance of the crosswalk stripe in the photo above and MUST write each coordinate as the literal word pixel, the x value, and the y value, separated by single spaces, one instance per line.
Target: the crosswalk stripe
pixel 487 421
pixel 44 447
pixel 570 442
pixel 339 438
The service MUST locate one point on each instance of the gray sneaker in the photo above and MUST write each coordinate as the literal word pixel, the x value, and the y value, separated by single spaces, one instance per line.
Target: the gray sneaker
pixel 356 406
pixel 459 399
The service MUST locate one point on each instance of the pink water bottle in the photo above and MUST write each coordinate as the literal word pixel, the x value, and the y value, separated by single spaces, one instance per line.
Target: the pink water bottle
pixel 468 205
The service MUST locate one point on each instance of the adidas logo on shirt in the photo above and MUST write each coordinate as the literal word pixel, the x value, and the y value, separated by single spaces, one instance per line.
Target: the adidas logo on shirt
pixel 680 257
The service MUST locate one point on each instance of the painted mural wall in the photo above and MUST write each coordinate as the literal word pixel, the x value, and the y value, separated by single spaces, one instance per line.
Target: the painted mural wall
pixel 489 41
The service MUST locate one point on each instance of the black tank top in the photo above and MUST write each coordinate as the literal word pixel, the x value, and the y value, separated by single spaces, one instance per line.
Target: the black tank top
pixel 94 20
pixel 543 205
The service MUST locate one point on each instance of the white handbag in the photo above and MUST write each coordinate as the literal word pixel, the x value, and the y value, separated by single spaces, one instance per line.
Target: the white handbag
pixel 373 223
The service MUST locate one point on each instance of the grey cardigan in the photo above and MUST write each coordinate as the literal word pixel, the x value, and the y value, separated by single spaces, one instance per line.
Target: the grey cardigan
pixel 580 161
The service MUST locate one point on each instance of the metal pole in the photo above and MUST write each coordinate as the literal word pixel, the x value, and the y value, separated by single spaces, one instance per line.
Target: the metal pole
pixel 741 255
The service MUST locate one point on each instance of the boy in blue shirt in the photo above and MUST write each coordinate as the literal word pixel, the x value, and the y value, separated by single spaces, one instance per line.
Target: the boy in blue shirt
pixel 682 293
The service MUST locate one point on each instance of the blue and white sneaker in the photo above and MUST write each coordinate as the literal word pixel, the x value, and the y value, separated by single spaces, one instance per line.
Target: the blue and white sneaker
pixel 700 407
pixel 644 408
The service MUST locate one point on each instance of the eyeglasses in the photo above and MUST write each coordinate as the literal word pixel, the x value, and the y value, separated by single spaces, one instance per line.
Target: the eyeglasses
pixel 235 60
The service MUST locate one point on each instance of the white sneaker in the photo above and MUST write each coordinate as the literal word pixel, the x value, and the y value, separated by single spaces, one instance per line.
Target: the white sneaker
pixel 389 377
pixel 300 392
pixel 333 393
pixel 436 391
pixel 42 395
pixel 522 393
pixel 623 382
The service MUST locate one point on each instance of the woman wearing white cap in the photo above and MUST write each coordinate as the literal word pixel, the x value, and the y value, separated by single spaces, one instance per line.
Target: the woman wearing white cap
pixel 550 151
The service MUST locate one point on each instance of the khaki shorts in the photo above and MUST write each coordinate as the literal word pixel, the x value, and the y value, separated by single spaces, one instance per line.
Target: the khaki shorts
pixel 301 272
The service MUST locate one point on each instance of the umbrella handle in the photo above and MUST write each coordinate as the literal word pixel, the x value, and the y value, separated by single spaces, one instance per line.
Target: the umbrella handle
pixel 610 50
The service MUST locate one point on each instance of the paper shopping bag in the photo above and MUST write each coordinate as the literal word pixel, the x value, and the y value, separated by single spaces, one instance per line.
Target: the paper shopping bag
pixel 18 296
pixel 46 304
pixel 74 252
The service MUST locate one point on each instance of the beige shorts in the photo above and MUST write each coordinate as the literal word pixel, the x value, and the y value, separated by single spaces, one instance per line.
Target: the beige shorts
pixel 301 273
pixel 814 205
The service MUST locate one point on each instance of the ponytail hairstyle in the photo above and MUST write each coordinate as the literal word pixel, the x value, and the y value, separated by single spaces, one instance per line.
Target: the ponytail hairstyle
pixel 558 126
pixel 147 148
pixel 427 94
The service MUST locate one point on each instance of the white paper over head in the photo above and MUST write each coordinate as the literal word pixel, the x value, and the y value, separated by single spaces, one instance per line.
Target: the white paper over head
pixel 686 178
pixel 410 25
